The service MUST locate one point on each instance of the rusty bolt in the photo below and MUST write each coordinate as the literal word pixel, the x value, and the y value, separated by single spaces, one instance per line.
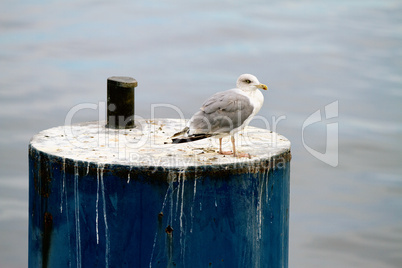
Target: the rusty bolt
pixel 169 229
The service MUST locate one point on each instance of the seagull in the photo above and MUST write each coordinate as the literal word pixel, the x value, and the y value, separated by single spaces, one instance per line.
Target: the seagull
pixel 225 113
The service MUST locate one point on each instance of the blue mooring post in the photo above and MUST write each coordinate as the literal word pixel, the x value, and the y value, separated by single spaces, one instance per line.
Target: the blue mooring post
pixel 103 196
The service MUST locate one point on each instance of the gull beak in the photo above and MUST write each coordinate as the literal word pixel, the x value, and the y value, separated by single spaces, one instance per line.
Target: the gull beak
pixel 262 86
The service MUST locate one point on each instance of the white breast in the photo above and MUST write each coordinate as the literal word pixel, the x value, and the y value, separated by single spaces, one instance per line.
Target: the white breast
pixel 256 99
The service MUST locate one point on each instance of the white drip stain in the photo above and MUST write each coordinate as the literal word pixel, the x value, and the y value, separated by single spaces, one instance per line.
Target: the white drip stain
pixel 77 217
pixel 97 207
pixel 39 169
pixel 68 222
pixel 169 189
pixel 171 177
pixel 62 192
pixel 261 202
pixel 177 194
pixel 182 240
pixel 128 176
pixel 192 207
pixel 267 199
pixel 107 242
pixel 261 179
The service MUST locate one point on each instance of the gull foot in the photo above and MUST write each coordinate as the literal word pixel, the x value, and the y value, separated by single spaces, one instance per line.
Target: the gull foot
pixel 225 153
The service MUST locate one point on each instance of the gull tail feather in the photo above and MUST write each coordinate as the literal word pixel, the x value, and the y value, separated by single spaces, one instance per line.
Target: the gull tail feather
pixel 191 138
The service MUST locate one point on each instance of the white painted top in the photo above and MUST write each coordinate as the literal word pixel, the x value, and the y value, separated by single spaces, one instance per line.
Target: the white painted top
pixel 145 144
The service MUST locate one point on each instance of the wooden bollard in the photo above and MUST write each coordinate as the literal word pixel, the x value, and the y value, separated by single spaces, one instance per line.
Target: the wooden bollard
pixel 119 197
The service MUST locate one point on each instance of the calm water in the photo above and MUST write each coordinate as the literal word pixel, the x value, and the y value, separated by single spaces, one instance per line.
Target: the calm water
pixel 56 55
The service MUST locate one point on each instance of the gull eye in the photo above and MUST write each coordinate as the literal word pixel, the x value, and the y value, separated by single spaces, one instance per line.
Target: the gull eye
pixel 247 81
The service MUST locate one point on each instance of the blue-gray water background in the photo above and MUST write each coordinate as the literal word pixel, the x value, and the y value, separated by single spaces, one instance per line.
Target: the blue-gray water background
pixel 57 54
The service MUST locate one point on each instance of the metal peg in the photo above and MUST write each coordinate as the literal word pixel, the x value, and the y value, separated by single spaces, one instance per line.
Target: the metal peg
pixel 120 102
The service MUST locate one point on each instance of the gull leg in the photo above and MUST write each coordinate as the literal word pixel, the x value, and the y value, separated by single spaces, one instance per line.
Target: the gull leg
pixel 234 150
pixel 220 148
pixel 233 144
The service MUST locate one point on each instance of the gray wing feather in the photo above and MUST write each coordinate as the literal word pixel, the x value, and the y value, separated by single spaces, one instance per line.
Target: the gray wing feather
pixel 221 113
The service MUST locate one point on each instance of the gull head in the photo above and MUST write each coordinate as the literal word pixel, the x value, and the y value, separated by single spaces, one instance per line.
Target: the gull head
pixel 249 82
